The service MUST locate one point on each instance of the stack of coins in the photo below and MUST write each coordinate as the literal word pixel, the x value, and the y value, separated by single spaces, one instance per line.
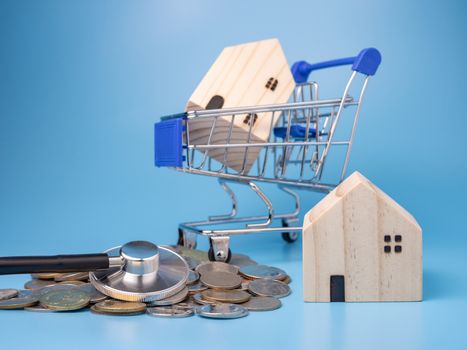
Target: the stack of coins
pixel 213 290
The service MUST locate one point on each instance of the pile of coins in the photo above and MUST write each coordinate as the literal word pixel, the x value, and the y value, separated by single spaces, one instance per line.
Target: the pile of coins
pixel 213 290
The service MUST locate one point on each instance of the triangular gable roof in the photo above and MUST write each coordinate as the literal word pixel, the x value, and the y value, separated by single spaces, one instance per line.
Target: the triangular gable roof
pixel 348 185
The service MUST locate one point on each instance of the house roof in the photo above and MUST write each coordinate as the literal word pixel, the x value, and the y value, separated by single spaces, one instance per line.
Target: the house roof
pixel 351 183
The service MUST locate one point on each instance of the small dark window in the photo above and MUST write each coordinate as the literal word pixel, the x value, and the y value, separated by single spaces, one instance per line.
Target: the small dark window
pixel 272 84
pixel 248 118
pixel 387 238
pixel 398 238
pixel 398 248
pixel 387 248
pixel 215 102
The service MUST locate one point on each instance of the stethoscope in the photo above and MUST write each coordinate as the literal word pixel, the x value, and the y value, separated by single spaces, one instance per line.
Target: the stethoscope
pixel 135 271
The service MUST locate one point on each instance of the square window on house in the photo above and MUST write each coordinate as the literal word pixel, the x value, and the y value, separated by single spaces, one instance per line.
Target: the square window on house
pixel 398 248
pixel 398 238
pixel 387 248
pixel 387 238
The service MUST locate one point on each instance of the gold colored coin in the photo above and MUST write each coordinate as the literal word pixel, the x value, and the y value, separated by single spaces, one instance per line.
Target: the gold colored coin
pixel 116 306
pixel 72 276
pixel 45 275
pixel 65 300
pixel 76 283
pixel 97 311
pixel 221 280
pixel 226 296
pixel 36 284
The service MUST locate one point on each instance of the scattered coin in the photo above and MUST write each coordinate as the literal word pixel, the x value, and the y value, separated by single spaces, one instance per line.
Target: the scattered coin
pixel 226 296
pixel 29 293
pixel 45 275
pixel 222 311
pixel 73 276
pixel 17 303
pixel 38 308
pixel 76 283
pixel 122 313
pixel 65 300
pixel 262 271
pixel 8 293
pixel 188 303
pixel 269 288
pixel 216 266
pixel 55 288
pixel 196 288
pixel 221 280
pixel 199 299
pixel 174 299
pixel 193 277
pixel 94 295
pixel 262 304
pixel 35 284
pixel 173 311
pixel 119 307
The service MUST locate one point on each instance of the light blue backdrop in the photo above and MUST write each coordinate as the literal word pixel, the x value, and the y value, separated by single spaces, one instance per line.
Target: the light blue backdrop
pixel 81 84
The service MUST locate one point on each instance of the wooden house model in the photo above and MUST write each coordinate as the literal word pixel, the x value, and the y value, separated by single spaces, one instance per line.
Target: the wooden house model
pixel 359 245
pixel 251 74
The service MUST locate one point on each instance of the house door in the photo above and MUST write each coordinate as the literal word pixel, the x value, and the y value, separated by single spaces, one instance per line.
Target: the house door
pixel 337 288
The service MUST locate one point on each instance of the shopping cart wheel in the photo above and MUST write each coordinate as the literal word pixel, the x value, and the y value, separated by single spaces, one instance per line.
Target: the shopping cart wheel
pixel 218 247
pixel 289 237
pixel 212 256
pixel 185 239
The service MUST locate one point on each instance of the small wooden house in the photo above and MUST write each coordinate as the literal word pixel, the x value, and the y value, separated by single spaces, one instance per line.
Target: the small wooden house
pixel 360 245
pixel 251 74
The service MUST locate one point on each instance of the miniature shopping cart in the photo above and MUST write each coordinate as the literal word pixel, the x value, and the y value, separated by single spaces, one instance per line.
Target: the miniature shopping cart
pixel 300 144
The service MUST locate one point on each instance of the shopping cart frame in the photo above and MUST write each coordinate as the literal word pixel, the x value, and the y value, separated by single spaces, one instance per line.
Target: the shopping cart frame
pixel 173 149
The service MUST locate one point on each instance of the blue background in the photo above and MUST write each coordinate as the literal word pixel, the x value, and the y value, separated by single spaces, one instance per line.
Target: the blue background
pixel 81 84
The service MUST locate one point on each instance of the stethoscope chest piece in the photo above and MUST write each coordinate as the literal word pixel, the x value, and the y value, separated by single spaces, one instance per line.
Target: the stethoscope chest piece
pixel 148 272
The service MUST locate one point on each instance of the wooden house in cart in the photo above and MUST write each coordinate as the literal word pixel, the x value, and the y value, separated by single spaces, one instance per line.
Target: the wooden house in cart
pixel 360 245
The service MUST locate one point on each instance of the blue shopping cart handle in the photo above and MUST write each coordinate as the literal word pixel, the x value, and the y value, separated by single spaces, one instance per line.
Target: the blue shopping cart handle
pixel 296 132
pixel 366 62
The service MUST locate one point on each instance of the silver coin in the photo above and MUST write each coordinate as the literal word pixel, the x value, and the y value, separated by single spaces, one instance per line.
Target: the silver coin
pixel 262 304
pixel 199 299
pixel 94 294
pixel 36 284
pixel 38 308
pixel 269 288
pixel 173 311
pixel 193 277
pixel 196 288
pixel 188 304
pixel 73 276
pixel 221 280
pixel 222 311
pixel 174 299
pixel 262 271
pixel 8 293
pixel 17 303
pixel 216 266
pixel 23 293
